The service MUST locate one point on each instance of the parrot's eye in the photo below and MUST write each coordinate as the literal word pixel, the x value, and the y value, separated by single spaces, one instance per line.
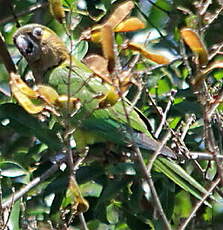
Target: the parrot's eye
pixel 37 32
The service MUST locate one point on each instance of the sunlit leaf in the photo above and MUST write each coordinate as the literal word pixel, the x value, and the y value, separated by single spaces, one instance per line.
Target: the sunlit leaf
pixel 12 169
pixel 49 94
pixel 159 59
pixel 194 41
pixel 26 124
pixel 118 15
pixel 91 189
pixel 112 214
pixel 57 10
pixel 107 46
pixel 130 24
pixel 23 93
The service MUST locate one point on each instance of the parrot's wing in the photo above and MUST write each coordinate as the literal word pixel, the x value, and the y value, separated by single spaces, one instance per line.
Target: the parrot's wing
pixel 118 124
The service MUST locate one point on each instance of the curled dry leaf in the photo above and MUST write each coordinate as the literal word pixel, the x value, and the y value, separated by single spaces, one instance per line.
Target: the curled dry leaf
pixel 99 65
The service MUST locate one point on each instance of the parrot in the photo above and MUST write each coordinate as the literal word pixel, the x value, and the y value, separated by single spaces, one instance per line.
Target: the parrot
pixel 49 60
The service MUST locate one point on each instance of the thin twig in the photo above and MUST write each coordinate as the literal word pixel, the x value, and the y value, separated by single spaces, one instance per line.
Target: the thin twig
pixel 157 152
pixel 185 129
pixel 83 222
pixel 217 13
pixel 152 187
pixel 32 184
pixel 24 12
pixel 204 156
pixel 5 56
pixel 164 116
pixel 68 109
pixel 9 208
pixel 213 106
pixel 13 13
pixel 199 203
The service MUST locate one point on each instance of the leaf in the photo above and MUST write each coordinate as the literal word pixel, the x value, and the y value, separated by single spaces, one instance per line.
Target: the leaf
pixel 99 65
pixel 122 168
pixel 157 58
pixel 118 15
pixel 112 189
pixel 12 169
pixel 14 219
pixel 57 10
pixel 112 214
pixel 28 125
pixel 107 46
pixel 74 198
pixel 180 177
pixel 80 50
pixel 91 189
pixel 23 93
pixel 130 24
pixel 193 40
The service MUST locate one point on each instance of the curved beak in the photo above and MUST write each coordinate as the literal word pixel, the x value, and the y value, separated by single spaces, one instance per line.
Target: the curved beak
pixel 25 45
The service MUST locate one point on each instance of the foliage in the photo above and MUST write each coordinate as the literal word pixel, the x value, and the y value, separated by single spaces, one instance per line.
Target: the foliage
pixel 183 97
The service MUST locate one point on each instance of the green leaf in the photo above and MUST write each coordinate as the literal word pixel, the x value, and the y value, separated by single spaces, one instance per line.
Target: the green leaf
pixel 24 123
pixel 180 177
pixel 12 169
pixel 14 216
pixel 91 189
pixel 112 214
pixel 112 189
pixel 122 168
pixel 80 50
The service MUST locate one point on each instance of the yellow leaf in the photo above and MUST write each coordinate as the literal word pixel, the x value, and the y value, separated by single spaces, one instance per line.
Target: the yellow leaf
pixel 107 46
pixel 62 102
pixel 193 40
pixel 130 24
pixel 57 10
pixel 75 198
pixel 118 15
pixel 48 94
pixel 159 59
pixel 23 93
pixel 15 80
pixel 109 99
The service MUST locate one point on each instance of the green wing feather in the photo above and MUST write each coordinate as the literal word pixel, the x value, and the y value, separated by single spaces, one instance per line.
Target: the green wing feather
pixel 94 125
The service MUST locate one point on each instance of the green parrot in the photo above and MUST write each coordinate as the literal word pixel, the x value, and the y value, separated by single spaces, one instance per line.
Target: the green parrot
pixel 49 60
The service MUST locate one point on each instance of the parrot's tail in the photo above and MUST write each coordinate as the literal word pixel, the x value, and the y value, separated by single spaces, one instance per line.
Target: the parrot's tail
pixel 148 143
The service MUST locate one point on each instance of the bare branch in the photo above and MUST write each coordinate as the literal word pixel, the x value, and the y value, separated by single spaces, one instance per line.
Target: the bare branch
pixel 32 184
pixel 30 9
pixel 5 56
pixel 198 205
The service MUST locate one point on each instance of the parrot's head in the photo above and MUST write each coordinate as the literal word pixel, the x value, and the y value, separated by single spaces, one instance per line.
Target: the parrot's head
pixel 41 47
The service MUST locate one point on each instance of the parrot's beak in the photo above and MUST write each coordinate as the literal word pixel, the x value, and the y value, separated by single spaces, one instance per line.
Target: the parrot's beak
pixel 28 48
